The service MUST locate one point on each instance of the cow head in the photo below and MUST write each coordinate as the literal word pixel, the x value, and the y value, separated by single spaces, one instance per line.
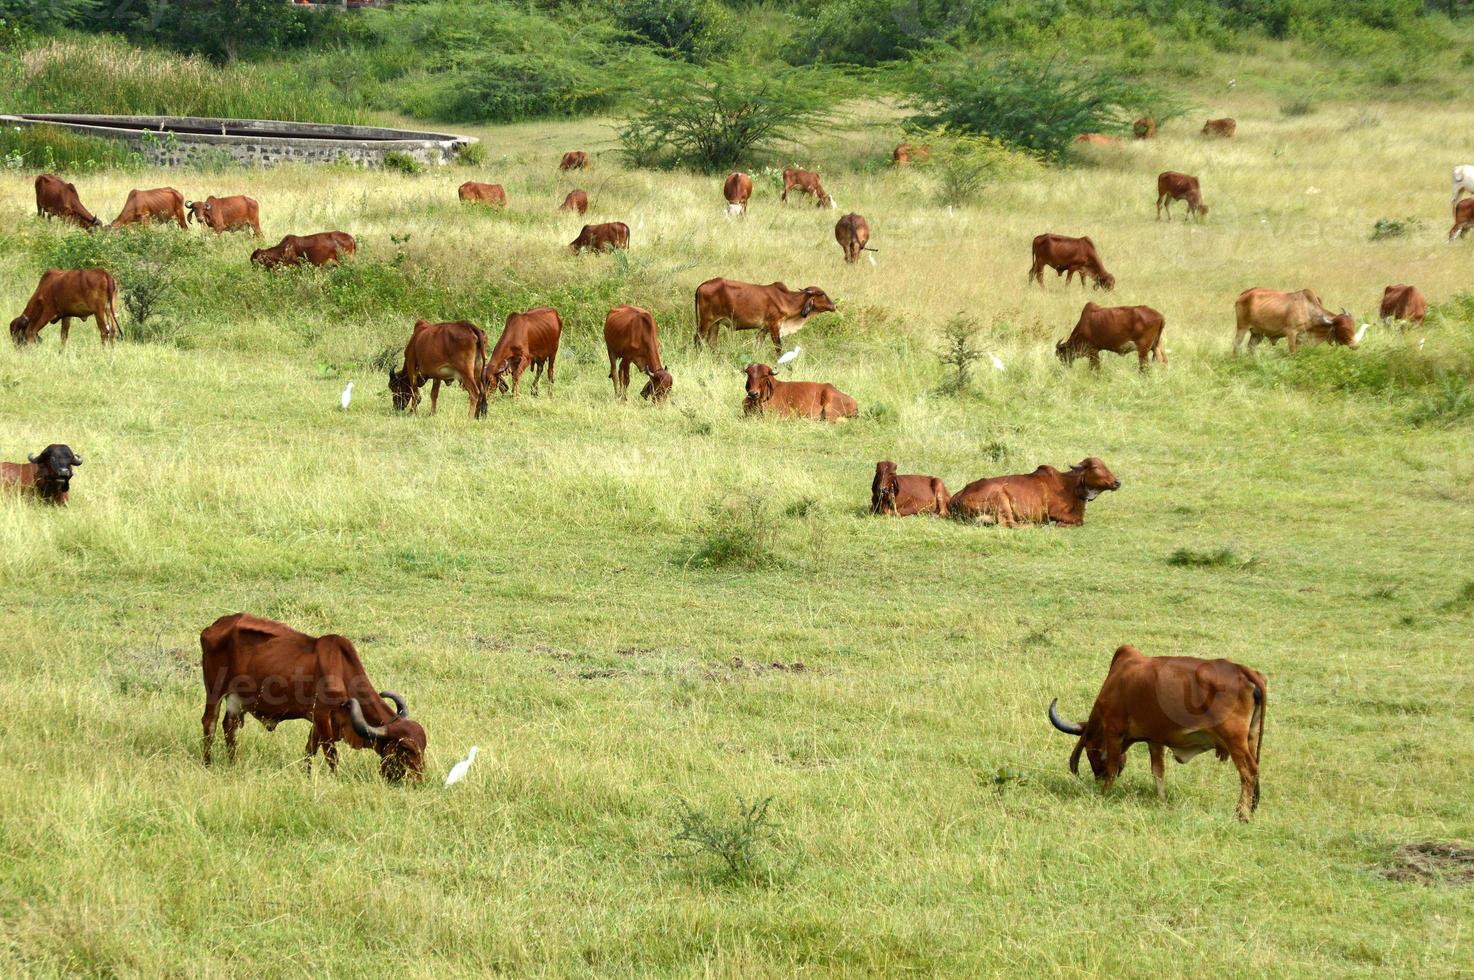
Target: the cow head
pixel 1066 352
pixel 54 469
pixel 1087 742
pixel 1343 329
pixel 759 383
pixel 657 389
pixel 495 376
pixel 195 211
pixel 18 332
pixel 815 301
pixel 1093 478
pixel 265 257
pixel 1104 280
pixel 401 389
pixel 399 741
pixel 884 488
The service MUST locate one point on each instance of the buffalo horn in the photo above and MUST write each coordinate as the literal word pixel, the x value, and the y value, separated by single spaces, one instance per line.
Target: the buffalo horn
pixel 1068 727
pixel 399 703
pixel 30 457
pixel 363 728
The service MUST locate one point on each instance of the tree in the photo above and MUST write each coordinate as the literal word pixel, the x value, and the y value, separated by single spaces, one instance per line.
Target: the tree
pixel 221 30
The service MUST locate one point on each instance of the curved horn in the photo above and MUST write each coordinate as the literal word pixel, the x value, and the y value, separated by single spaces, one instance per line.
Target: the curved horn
pixel 76 460
pixel 363 728
pixel 399 703
pixel 1068 727
pixel 30 457
pixel 1075 757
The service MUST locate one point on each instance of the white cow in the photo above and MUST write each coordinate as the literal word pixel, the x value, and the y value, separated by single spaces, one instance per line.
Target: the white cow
pixel 1463 181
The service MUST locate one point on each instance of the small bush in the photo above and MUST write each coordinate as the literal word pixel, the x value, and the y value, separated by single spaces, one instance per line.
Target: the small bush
pixel 963 165
pixel 1300 105
pixel 740 532
pixel 737 842
pixel 959 352
pixel 147 263
pixel 1224 557
pixel 1450 399
pixel 472 155
pixel 1395 227
pixel 402 163
pixel 693 30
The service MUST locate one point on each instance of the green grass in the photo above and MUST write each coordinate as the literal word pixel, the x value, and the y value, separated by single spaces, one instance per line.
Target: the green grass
pixel 530 581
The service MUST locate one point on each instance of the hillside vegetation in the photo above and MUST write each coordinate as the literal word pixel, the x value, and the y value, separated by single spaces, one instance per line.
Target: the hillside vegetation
pixel 641 615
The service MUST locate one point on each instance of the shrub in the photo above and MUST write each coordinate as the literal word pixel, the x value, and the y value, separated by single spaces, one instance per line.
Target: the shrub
pixel 740 532
pixel 1224 557
pixel 959 352
pixel 1394 227
pixel 1300 105
pixel 472 155
pixel 145 261
pixel 736 842
pixel 871 32
pixel 402 163
pixel 694 30
pixel 963 165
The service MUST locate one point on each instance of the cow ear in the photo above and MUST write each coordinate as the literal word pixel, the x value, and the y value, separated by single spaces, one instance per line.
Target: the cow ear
pixel 808 307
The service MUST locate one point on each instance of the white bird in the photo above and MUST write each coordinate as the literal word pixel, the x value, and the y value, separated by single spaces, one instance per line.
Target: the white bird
pixel 997 364
pixel 346 397
pixel 1362 332
pixel 871 257
pixel 459 770
pixel 1420 342
pixel 949 210
pixel 1312 190
pixel 1232 82
pixel 789 356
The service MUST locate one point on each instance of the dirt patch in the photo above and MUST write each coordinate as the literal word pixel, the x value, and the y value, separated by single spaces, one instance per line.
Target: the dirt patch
pixel 1432 862
pixel 737 663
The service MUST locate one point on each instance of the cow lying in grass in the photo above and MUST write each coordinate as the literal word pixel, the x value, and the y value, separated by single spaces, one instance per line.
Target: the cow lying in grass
pixel 1045 496
pixel 902 495
pixel 807 399
pixel 46 475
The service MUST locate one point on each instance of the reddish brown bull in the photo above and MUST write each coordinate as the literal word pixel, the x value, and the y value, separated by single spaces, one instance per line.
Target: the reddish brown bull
pixel 631 337
pixel 853 234
pixel 902 495
pixel 437 352
pixel 1182 704
pixel 574 160
pixel 1098 139
pixel 601 238
pixel 222 214
pixel 1463 218
pixel 577 201
pixel 163 204
pixel 1045 496
pixel 267 669
pixel 1068 257
pixel 65 293
pixel 747 306
pixel 737 188
pixel 807 399
pixel 318 249
pixel 1220 127
pixel 57 198
pixel 1404 304
pixel 528 340
pixel 1144 128
pixel 906 154
pixel 805 182
pixel 475 192
pixel 1269 314
pixel 46 475
pixel 1174 186
pixel 1118 329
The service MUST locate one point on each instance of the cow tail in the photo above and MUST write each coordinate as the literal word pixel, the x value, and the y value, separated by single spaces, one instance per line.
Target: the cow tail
pixel 112 305
pixel 1261 704
pixel 698 318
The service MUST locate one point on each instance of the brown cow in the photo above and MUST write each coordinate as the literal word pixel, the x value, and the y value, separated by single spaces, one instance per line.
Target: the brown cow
pixel 1144 128
pixel 1404 304
pixel 267 669
pixel 56 197
pixel 224 214
pixel 747 306
pixel 806 182
pixel 809 399
pixel 163 204
pixel 576 201
pixel 318 249
pixel 853 234
pixel 1220 127
pixel 1270 314
pixel 1098 139
pixel 1184 704
pixel 574 160
pixel 906 154
pixel 601 238
pixel 1463 218
pixel 737 188
pixel 1174 186
pixel 528 340
pixel 475 192
pixel 1045 496
pixel 437 352
pixel 631 337
pixel 47 475
pixel 1118 329
pixel 1068 256
pixel 64 293
pixel 906 494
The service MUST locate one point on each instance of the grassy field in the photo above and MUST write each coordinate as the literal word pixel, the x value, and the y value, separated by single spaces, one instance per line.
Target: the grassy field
pixel 595 593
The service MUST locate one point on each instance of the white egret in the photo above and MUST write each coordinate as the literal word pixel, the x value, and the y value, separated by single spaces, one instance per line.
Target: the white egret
pixel 459 770
pixel 997 364
pixel 346 397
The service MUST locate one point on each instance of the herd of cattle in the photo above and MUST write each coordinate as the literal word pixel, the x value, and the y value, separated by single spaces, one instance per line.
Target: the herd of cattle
pixel 275 673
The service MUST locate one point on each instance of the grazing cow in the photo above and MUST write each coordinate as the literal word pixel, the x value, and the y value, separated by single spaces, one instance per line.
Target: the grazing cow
pixel 55 197
pixel 601 238
pixel 1463 218
pixel 1183 704
pixel 1220 127
pixel 853 234
pixel 1144 128
pixel 1404 304
pixel 318 249
pixel 808 399
pixel 528 340
pixel 267 669
pixel 1098 139
pixel 577 201
pixel 1067 257
pixel 1463 181
pixel 163 204
pixel 737 188
pixel 906 154
pixel 1269 314
pixel 47 475
pixel 906 494
pixel 1174 186
pixel 805 182
pixel 64 293
pixel 574 160
pixel 631 337
pixel 224 214
pixel 437 352
pixel 747 306
pixel 1045 496
pixel 1118 329
pixel 475 192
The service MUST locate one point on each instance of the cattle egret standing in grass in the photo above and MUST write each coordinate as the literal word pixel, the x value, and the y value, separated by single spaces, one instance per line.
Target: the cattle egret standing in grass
pixel 346 397
pixel 1420 342
pixel 997 364
pixel 789 356
pixel 1362 332
pixel 459 770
